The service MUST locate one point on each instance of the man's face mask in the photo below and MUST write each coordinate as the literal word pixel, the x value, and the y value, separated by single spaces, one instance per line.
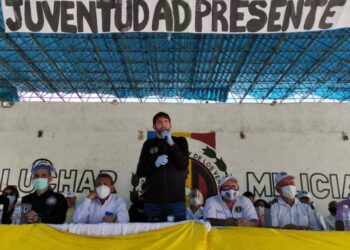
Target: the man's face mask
pixel 289 191
pixel 103 191
pixel 40 184
pixel 230 194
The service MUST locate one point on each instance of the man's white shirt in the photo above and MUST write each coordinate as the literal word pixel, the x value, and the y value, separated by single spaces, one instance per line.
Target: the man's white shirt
pixel 299 214
pixel 198 215
pixel 92 211
pixel 330 222
pixel 216 208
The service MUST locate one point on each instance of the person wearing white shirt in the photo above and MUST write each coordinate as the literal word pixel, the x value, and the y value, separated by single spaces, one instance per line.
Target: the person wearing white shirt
pixel 195 211
pixel 287 211
pixel 330 219
pixel 229 208
pixel 100 205
pixel 305 197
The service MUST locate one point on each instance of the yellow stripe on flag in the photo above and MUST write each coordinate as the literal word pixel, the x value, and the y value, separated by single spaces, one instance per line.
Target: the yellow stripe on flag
pixel 189 235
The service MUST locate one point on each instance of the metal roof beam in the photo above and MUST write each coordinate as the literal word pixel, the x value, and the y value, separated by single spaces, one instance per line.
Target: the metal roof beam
pixel 96 51
pixel 19 78
pixel 267 62
pixel 126 70
pixel 287 70
pixel 55 66
pixel 242 60
pixel 319 83
pixel 26 59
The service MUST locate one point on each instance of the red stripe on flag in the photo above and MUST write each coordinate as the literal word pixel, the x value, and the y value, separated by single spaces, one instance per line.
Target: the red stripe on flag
pixel 207 138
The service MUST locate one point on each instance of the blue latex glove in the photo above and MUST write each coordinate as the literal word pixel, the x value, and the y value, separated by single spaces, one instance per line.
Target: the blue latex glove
pixel 161 160
pixel 166 134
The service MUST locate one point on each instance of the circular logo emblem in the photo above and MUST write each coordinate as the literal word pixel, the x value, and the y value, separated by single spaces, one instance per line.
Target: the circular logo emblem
pixel 51 201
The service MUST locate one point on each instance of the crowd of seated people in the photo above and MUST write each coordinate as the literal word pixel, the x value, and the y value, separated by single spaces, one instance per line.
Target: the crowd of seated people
pixel 291 210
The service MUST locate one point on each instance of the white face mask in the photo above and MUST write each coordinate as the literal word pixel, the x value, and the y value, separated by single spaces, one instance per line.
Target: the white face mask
pixel 12 198
pixel 103 191
pixel 229 194
pixel 289 191
pixel 196 201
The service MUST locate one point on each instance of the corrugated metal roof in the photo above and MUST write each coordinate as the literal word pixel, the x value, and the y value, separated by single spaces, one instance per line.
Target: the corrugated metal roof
pixel 202 67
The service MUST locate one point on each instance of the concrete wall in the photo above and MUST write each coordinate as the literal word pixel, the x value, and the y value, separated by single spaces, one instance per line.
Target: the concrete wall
pixel 303 139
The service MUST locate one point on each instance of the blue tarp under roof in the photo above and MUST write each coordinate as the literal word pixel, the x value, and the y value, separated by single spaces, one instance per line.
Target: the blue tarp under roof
pixel 186 66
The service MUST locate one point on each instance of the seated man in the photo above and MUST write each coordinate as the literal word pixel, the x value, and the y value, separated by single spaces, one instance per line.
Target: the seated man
pixel 195 211
pixel 229 208
pixel 47 206
pixel 260 207
pixel 330 219
pixel 339 224
pixel 287 211
pixel 100 205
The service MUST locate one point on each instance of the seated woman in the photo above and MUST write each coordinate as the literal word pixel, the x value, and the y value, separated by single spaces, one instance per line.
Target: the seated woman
pixel 12 194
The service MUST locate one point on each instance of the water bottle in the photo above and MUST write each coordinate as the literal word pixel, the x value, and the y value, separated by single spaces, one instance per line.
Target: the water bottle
pixel 17 212
pixel 1 212
pixel 346 217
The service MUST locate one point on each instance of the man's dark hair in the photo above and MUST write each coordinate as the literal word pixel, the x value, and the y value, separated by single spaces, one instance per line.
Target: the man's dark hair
pixel 248 194
pixel 160 114
pixel 260 201
pixel 105 175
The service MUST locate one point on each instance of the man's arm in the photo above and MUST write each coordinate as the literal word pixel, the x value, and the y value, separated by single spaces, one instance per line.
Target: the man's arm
pixel 81 212
pixel 122 212
pixel 180 153
pixel 250 216
pixel 223 222
pixel 313 221
pixel 144 167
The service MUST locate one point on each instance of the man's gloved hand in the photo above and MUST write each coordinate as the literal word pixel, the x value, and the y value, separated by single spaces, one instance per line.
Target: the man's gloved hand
pixel 161 160
pixel 166 134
